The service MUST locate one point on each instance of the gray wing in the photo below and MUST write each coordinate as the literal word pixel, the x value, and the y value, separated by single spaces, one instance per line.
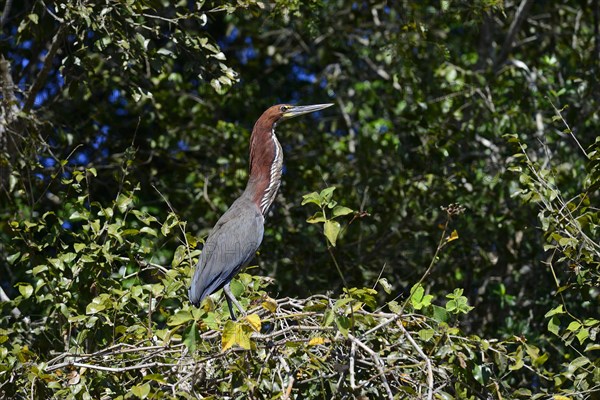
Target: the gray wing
pixel 230 246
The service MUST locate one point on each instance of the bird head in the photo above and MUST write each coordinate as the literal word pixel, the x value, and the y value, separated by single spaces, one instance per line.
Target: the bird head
pixel 282 112
pixel 288 111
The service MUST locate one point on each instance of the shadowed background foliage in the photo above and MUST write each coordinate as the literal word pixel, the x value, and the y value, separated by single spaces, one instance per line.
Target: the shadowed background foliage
pixel 149 105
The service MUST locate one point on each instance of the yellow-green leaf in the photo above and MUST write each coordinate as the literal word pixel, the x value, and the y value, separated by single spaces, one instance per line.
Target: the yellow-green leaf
pixel 426 334
pixel 26 290
pixel 253 322
pixel 331 230
pixel 453 236
pixel 269 304
pixel 148 230
pixel 316 341
pixel 235 334
pixel 94 308
pixel 327 193
pixel 311 198
pixel 316 218
pixel 385 285
pixel 141 391
pixel 341 210
pixel 179 256
pixel 228 338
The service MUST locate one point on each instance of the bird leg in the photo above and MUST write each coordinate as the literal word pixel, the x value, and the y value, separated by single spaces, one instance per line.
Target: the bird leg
pixel 231 299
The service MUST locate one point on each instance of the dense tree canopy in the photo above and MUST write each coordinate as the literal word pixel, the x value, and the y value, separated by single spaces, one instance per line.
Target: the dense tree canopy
pixel 457 257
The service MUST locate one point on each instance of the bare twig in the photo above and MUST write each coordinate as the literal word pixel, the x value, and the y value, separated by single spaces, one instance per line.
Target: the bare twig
pixel 424 357
pixel 291 379
pixel 114 369
pixel 431 264
pixel 569 130
pixel 378 363
pixel 352 361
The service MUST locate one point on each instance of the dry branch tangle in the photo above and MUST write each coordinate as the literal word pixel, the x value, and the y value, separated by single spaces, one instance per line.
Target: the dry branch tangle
pixel 379 356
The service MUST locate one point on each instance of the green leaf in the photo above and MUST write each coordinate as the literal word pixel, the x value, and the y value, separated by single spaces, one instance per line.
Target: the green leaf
pixel 573 326
pixel 457 303
pixel 328 317
pixel 34 18
pixel 518 359
pixel 554 311
pixel 394 306
pixel 439 313
pixel 13 257
pixel 579 362
pixel 385 285
pixel 311 198
pixel 77 216
pixel 553 325
pixel 25 289
pixel 181 317
pixel 190 338
pixel 141 391
pixel 316 218
pixel 124 201
pixel 583 335
pixel 418 298
pixel 426 334
pixel 79 246
pixel 343 324
pixel 94 308
pixel 326 194
pixel 148 230
pixel 331 230
pixel 179 256
pixel 338 211
pixel 170 223
pixel 39 268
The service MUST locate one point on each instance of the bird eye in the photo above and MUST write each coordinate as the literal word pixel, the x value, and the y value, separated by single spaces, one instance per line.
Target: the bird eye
pixel 284 108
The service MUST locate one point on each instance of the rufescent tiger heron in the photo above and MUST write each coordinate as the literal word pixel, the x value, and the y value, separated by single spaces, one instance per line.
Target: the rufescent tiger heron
pixel 232 243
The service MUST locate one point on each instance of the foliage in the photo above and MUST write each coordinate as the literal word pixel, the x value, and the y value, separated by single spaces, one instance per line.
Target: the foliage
pixel 123 136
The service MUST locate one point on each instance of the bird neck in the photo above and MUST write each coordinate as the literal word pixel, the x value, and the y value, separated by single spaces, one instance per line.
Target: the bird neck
pixel 266 163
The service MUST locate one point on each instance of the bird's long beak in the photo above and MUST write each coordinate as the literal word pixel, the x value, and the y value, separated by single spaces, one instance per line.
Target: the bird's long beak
pixel 295 111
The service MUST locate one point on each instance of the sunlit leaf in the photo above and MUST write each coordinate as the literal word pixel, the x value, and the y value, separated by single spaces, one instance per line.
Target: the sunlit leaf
pixel 315 341
pixel 453 236
pixel 181 317
pixel 253 321
pixel 331 230
pixel 387 287
pixel 269 304
pixel 311 198
pixel 141 391
pixel 26 290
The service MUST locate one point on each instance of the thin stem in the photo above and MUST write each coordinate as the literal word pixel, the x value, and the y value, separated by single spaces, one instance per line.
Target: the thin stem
pixel 557 111
pixel 440 245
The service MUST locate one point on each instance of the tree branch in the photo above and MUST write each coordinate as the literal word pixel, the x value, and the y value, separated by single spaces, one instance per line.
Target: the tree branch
pixel 8 115
pixel 40 81
pixel 515 26
pixel 5 12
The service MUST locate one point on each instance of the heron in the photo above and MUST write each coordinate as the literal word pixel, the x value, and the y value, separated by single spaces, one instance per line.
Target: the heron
pixel 234 240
